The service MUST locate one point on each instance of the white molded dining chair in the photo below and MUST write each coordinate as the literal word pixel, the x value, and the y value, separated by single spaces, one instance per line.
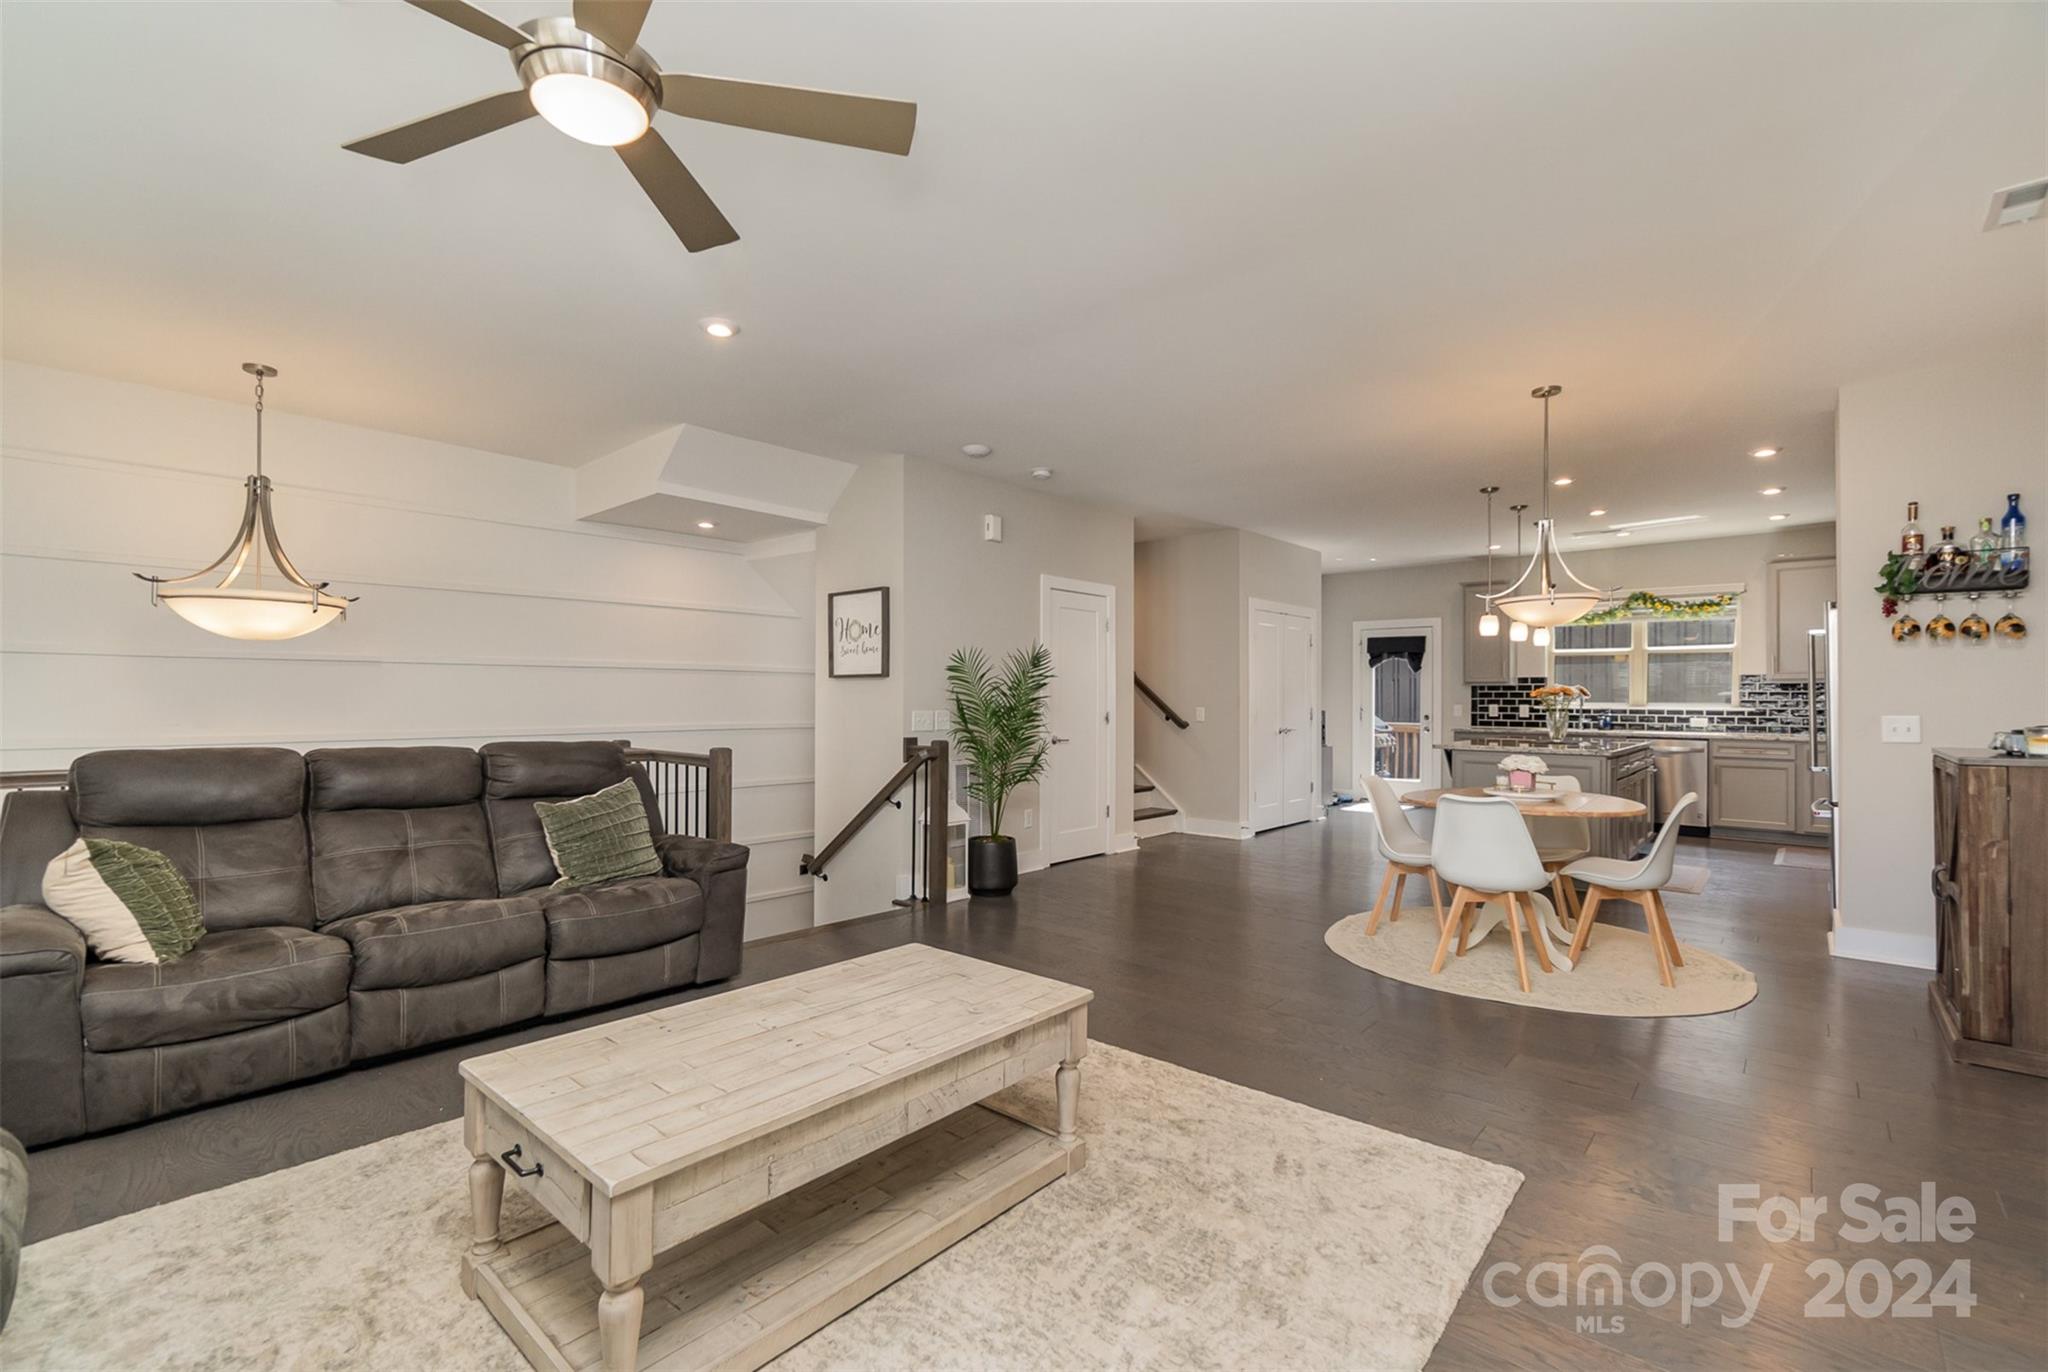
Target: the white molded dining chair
pixel 1643 882
pixel 1405 852
pixel 1482 846
pixel 1560 841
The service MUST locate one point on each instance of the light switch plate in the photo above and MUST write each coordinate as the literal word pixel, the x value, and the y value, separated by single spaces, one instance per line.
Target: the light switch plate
pixel 1024 819
pixel 1901 729
pixel 942 721
pixel 920 721
pixel 1201 714
pixel 992 528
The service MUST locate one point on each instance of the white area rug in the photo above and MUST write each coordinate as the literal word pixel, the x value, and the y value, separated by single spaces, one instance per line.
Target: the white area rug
pixel 1815 859
pixel 1616 976
pixel 1690 878
pixel 1212 1227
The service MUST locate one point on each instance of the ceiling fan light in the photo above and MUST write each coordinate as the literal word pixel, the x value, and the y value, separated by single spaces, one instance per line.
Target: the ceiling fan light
pixel 589 108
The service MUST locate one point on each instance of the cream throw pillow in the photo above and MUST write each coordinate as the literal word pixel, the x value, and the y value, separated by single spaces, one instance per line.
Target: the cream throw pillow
pixel 131 904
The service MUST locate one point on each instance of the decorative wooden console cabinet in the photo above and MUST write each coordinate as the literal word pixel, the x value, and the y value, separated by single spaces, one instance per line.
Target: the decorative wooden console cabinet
pixel 1990 994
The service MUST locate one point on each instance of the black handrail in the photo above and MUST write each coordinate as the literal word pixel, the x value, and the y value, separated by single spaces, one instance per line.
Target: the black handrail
pixel 1172 715
pixel 929 851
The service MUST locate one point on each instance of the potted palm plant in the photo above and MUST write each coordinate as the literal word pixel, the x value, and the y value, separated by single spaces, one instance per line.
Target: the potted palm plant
pixel 999 724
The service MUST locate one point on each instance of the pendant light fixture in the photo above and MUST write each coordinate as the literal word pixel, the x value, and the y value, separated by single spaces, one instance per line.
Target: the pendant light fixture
pixel 1518 632
pixel 242 604
pixel 1489 623
pixel 1547 594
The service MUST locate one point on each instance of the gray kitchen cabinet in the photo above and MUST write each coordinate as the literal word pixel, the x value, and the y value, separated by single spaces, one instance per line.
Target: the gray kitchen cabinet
pixel 1800 589
pixel 1486 659
pixel 1755 786
pixel 1500 658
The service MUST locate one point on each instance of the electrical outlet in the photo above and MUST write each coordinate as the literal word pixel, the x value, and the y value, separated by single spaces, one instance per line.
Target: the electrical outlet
pixel 1024 819
pixel 1201 714
pixel 1699 722
pixel 1901 729
pixel 920 721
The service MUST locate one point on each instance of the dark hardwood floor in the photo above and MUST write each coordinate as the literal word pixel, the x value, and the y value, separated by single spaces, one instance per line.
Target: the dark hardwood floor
pixel 1210 954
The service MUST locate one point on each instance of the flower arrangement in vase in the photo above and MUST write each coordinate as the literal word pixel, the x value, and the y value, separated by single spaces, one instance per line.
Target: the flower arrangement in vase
pixel 1558 702
pixel 1522 769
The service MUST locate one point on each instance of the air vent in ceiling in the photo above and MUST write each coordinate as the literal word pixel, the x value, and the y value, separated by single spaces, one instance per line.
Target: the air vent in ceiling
pixel 2017 204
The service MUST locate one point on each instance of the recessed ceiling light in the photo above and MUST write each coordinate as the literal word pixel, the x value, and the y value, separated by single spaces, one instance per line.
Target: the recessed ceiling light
pixel 1624 533
pixel 977 449
pixel 1493 547
pixel 1596 513
pixel 706 524
pixel 1562 481
pixel 1041 473
pixel 1372 559
pixel 1776 517
pixel 1763 452
pixel 1772 490
pixel 720 328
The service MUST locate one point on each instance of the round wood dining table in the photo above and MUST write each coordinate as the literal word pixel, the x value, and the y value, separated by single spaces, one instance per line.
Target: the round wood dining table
pixel 1542 805
pixel 1556 805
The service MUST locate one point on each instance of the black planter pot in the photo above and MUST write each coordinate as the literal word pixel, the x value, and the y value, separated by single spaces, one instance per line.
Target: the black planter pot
pixel 991 866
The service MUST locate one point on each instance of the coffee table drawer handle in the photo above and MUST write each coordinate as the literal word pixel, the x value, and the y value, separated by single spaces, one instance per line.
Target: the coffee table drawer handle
pixel 513 1152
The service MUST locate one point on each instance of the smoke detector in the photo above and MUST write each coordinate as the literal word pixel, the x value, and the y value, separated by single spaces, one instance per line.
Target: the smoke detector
pixel 2016 204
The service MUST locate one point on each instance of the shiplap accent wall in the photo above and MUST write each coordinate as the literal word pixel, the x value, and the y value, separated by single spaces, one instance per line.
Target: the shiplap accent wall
pixel 487 611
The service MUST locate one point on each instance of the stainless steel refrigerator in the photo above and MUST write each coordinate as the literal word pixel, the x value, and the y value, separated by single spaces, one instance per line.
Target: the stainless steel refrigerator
pixel 1823 674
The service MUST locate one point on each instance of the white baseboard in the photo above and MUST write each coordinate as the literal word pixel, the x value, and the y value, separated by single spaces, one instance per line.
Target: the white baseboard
pixel 1124 843
pixel 1879 945
pixel 1214 828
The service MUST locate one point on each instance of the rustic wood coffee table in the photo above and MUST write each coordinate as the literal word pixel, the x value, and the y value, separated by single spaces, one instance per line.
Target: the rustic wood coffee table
pixel 729 1175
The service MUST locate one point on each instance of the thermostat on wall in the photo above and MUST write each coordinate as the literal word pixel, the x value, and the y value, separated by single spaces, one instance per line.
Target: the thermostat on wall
pixel 992 528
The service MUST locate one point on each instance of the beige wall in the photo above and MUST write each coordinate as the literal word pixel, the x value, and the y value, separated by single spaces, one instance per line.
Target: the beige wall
pixel 1432 592
pixel 1187 650
pixel 1956 437
pixel 1194 641
pixel 967 592
pixel 861 722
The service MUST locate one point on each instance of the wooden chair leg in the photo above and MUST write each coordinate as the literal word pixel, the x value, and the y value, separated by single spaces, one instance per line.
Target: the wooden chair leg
pixel 1436 898
pixel 1664 923
pixel 1564 905
pixel 1584 933
pixel 1571 895
pixel 1536 935
pixel 1472 910
pixel 1515 930
pixel 1400 890
pixel 1379 906
pixel 1443 938
pixel 1656 937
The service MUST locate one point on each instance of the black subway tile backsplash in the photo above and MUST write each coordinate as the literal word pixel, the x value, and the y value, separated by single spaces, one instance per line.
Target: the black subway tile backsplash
pixel 1767 707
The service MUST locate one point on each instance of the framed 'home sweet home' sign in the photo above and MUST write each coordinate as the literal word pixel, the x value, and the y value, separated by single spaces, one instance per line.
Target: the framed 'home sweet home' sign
pixel 857 636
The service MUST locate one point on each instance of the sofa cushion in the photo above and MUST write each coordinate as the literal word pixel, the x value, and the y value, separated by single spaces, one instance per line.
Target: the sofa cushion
pixel 599 837
pixel 229 819
pixel 516 775
pixel 428 945
pixel 129 902
pixel 621 916
pixel 396 826
pixel 234 980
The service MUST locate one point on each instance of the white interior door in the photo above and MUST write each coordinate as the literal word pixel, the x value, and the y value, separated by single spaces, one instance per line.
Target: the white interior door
pixel 1075 794
pixel 1283 734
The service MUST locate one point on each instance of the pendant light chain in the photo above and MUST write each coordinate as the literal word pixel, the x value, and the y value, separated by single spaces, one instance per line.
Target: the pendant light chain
pixel 259 426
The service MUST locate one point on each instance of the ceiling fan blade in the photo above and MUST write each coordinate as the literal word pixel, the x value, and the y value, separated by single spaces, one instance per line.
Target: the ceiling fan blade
pixel 617 22
pixel 410 142
pixel 675 193
pixel 856 121
pixel 473 20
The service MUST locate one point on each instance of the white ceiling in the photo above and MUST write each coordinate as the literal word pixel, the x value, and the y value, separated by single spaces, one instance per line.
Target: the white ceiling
pixel 1289 268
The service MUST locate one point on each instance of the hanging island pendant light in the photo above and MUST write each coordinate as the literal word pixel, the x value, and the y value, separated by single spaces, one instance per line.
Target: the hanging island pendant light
pixel 242 604
pixel 1489 623
pixel 1547 594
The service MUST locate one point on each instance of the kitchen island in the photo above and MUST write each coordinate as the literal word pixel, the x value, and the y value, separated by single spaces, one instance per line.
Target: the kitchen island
pixel 1602 764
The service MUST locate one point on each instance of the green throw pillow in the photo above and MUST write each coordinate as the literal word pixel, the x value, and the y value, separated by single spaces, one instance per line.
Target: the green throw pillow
pixel 600 837
pixel 131 904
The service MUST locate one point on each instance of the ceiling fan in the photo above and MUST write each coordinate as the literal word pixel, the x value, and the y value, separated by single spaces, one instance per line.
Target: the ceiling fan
pixel 588 77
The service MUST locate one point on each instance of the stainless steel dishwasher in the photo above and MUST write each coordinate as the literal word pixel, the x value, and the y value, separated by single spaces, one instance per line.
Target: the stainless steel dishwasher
pixel 1681 765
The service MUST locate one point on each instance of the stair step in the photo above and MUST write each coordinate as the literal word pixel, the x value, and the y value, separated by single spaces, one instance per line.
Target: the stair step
pixel 1144 812
pixel 1143 786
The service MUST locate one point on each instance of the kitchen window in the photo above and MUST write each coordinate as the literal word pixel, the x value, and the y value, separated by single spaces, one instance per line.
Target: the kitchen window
pixel 1648 661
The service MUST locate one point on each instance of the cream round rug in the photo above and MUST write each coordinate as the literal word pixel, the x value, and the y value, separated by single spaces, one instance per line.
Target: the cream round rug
pixel 1616 976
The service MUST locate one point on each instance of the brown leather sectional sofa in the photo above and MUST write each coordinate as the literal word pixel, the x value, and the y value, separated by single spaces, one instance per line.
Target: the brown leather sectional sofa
pixel 358 902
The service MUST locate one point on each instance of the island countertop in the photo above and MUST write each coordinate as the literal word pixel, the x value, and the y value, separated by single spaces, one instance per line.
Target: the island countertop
pixel 1574 746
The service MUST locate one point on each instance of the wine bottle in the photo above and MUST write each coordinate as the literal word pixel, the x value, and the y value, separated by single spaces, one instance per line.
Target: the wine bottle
pixel 1912 540
pixel 2012 536
pixel 1983 544
pixel 1948 553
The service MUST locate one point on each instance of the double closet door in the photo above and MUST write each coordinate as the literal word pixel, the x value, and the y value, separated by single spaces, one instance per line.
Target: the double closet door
pixel 1284 746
